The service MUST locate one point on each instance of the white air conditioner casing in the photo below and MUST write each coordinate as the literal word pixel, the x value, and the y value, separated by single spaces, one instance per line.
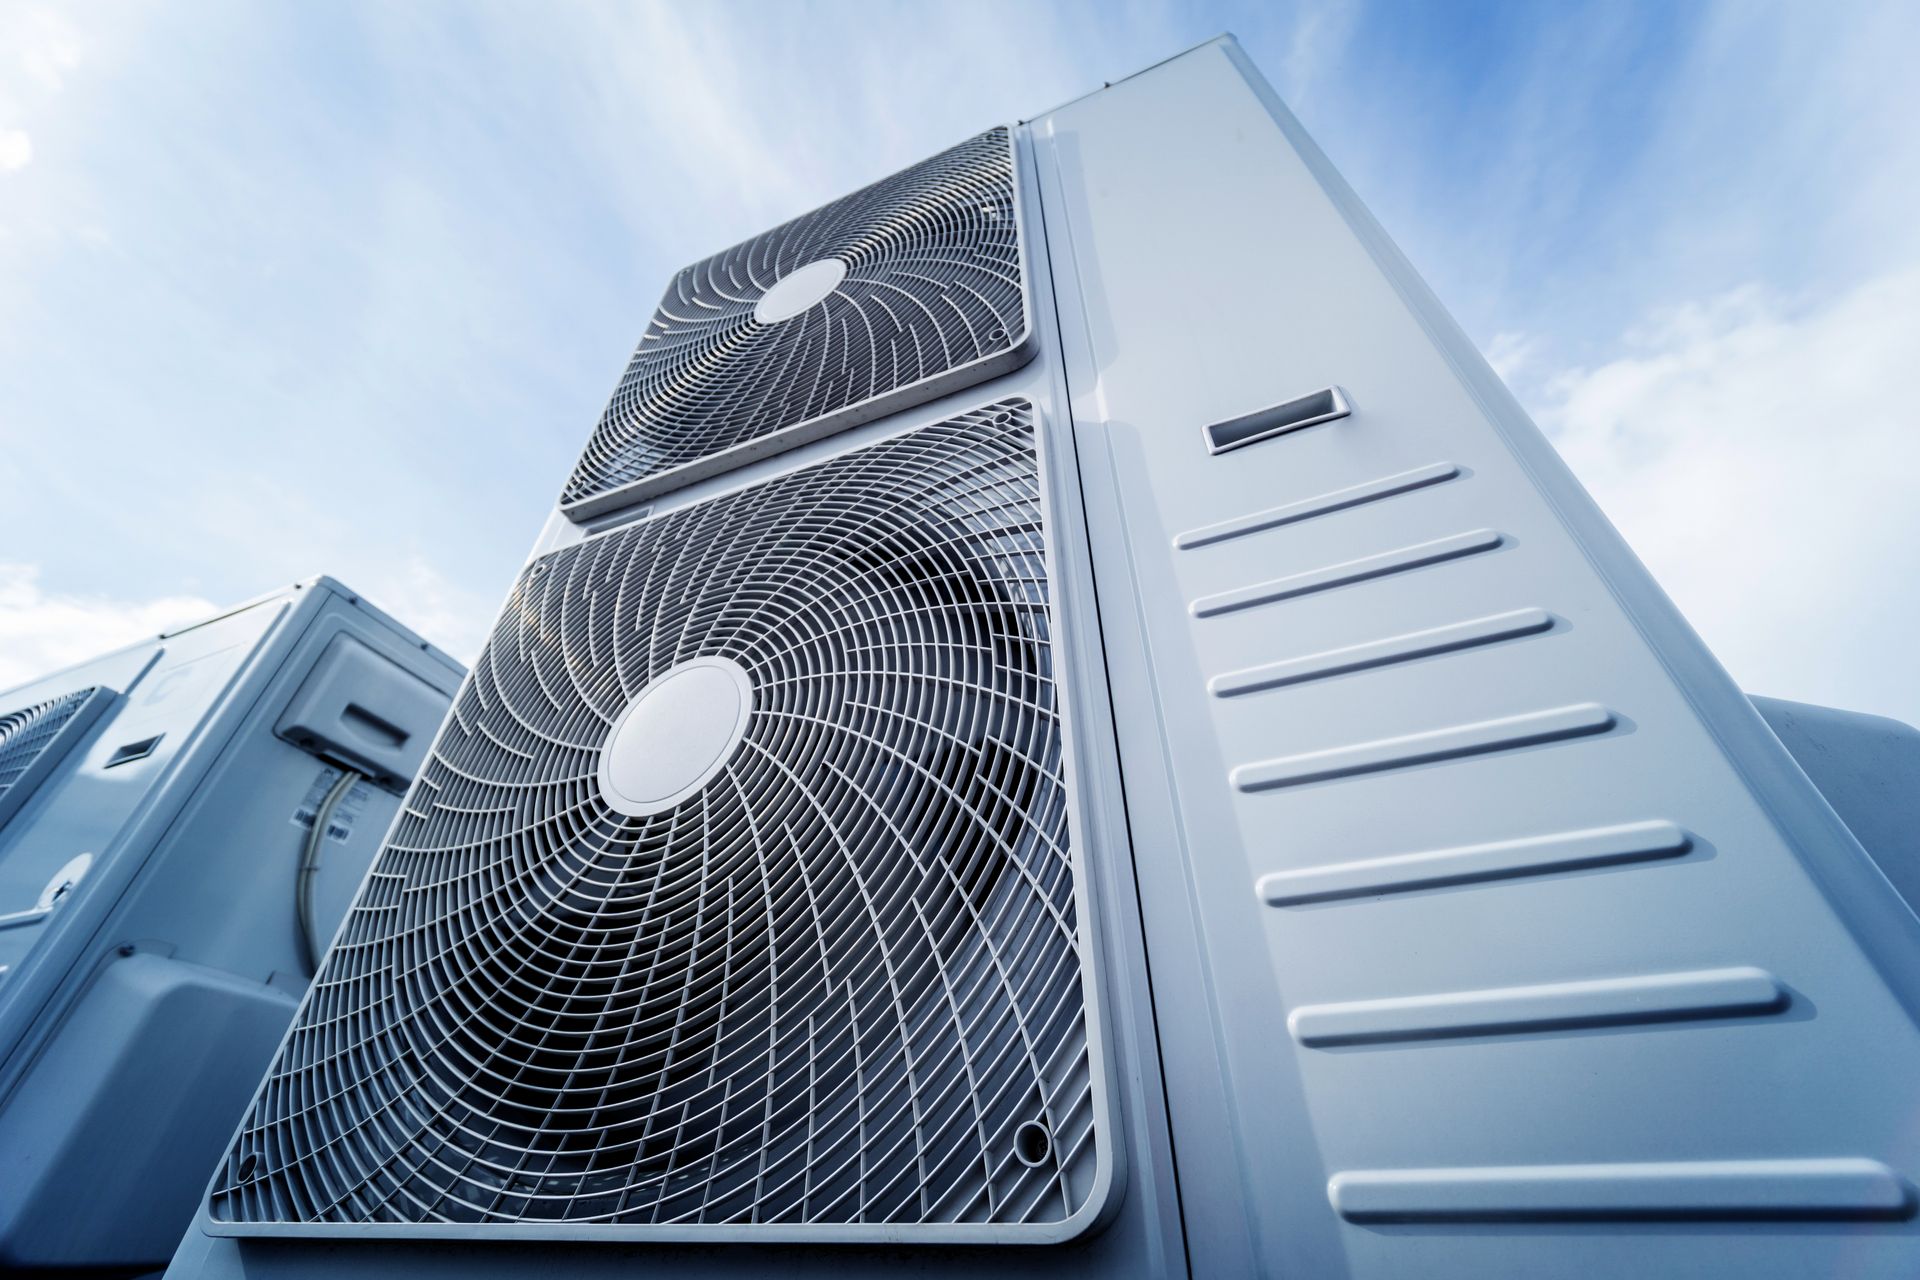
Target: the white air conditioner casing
pixel 153 825
pixel 1441 906
pixel 905 290
pixel 739 899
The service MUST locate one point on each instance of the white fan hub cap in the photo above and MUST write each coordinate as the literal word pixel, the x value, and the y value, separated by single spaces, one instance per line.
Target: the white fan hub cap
pixel 676 735
pixel 799 289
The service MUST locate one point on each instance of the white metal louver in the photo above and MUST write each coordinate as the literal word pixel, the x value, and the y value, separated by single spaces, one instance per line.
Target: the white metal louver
pixel 33 739
pixel 736 899
pixel 905 290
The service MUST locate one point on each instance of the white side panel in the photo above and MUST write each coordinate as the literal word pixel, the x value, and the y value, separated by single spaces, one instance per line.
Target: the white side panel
pixel 136 1014
pixel 1587 1053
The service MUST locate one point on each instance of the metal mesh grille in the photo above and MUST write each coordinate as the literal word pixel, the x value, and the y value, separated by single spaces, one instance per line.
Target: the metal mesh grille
pixel 932 299
pixel 838 986
pixel 25 736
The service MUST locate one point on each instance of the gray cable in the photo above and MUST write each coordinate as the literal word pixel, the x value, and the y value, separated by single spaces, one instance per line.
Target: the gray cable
pixel 310 863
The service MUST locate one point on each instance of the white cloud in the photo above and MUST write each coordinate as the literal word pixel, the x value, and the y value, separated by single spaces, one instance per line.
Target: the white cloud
pixel 1510 352
pixel 41 632
pixel 418 280
pixel 56 53
pixel 44 45
pixel 423 598
pixel 1315 46
pixel 16 149
pixel 1764 460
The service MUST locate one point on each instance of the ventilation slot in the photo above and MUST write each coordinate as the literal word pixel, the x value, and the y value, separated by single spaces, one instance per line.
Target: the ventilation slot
pixel 128 752
pixel 1264 424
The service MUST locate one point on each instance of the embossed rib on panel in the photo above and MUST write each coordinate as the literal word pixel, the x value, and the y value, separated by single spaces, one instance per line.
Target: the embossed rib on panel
pixel 1679 1191
pixel 827 990
pixel 1382 653
pixel 1555 1006
pixel 1365 569
pixel 1509 733
pixel 1475 863
pixel 1325 504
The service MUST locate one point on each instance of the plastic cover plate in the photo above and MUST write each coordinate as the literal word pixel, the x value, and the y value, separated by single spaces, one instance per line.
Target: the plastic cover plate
pixel 840 990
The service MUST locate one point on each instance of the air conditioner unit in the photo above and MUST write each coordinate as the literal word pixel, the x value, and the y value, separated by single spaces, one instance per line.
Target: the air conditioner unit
pixel 159 860
pixel 1214 798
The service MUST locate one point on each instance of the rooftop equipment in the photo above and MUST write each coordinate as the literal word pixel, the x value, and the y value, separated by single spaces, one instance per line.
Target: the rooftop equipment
pixel 182 824
pixel 1066 723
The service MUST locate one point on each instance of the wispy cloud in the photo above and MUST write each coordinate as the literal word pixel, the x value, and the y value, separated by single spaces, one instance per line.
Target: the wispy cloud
pixel 302 291
pixel 456 618
pixel 44 43
pixel 38 48
pixel 1512 352
pixel 1761 457
pixel 1316 47
pixel 341 289
pixel 1701 272
pixel 42 631
pixel 16 149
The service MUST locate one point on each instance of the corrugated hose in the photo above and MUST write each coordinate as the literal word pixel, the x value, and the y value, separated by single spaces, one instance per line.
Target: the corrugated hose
pixel 310 863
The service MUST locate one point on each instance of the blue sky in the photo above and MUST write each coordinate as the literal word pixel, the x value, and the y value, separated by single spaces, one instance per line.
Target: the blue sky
pixel 288 289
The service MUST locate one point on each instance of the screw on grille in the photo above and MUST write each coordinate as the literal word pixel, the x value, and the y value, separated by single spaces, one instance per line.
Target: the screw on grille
pixel 826 973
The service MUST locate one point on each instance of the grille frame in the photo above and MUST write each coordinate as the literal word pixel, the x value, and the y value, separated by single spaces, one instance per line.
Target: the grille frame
pixel 76 710
pixel 588 506
pixel 1103 1132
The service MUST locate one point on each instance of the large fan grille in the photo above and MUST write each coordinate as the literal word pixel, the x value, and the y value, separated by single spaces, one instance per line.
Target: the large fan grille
pixel 26 736
pixel 933 298
pixel 838 987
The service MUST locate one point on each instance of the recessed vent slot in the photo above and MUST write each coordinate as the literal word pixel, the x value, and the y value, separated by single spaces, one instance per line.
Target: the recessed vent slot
pixel 128 752
pixel 1263 424
pixel 365 722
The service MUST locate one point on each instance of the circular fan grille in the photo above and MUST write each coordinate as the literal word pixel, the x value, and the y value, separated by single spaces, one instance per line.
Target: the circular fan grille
pixel 932 298
pixel 838 984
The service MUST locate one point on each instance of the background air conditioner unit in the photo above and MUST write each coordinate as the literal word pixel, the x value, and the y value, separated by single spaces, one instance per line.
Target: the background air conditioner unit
pixel 1067 723
pixel 157 810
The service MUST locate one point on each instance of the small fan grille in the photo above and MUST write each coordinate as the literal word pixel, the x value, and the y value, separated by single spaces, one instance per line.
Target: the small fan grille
pixel 933 298
pixel 25 736
pixel 839 986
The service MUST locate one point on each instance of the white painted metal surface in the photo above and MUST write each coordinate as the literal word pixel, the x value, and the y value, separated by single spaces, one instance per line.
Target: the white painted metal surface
pixel 150 955
pixel 1462 919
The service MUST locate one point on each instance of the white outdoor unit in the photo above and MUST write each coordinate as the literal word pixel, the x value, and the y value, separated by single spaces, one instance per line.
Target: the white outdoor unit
pixel 1066 723
pixel 182 824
